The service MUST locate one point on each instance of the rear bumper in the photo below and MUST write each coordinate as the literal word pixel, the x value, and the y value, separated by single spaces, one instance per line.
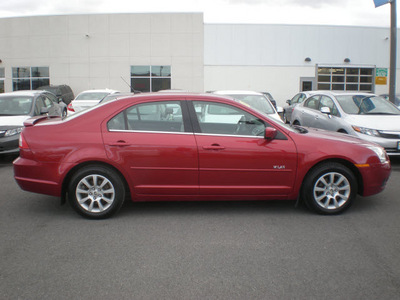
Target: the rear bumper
pixel 32 176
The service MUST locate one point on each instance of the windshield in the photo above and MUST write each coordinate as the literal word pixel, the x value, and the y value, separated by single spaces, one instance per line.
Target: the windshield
pixel 15 105
pixel 362 104
pixel 92 96
pixel 257 102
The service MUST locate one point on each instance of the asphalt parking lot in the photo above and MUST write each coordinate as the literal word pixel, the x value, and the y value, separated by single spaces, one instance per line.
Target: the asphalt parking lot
pixel 211 250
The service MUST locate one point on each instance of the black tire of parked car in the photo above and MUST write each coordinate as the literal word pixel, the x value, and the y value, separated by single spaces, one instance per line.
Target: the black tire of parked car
pixel 96 192
pixel 329 188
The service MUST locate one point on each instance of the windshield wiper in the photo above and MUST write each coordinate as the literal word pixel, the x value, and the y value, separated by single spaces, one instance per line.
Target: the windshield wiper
pixel 300 129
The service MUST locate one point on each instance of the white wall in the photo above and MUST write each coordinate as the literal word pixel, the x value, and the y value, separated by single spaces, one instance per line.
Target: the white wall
pixel 94 51
pixel 272 57
pixel 281 82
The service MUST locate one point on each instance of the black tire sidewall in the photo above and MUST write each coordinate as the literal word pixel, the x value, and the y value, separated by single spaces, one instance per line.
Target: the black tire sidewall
pixel 108 173
pixel 315 174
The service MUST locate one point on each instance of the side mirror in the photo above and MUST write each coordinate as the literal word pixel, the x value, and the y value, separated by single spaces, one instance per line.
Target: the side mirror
pixel 270 133
pixel 60 99
pixel 326 110
pixel 289 102
pixel 44 111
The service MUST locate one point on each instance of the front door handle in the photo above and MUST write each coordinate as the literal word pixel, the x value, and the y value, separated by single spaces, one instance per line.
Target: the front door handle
pixel 214 147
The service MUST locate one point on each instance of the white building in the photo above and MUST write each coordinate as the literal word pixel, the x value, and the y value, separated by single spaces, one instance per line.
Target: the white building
pixel 159 51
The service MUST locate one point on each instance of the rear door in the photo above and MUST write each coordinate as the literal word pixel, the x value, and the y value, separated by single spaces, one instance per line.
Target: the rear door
pixel 155 144
pixel 234 157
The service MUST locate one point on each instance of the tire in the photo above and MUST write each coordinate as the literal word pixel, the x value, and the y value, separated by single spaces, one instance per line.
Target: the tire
pixel 96 192
pixel 329 189
pixel 284 118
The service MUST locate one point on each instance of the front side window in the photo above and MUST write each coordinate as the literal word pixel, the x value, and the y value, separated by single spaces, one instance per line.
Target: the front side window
pixel 328 102
pixel 218 118
pixel 164 116
pixel 312 102
pixel 30 78
pixel 150 78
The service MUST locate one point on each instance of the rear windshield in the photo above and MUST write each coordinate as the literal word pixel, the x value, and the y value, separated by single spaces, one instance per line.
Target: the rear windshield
pixel 92 96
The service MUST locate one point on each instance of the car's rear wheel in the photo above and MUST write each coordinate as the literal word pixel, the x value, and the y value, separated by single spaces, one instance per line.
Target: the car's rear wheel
pixel 329 188
pixel 96 192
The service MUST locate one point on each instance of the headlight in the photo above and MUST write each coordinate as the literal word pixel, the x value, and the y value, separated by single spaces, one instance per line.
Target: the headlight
pixel 14 131
pixel 380 152
pixel 367 131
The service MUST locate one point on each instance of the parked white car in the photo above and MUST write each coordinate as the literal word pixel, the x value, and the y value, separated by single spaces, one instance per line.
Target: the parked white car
pixel 257 101
pixel 88 99
pixel 367 116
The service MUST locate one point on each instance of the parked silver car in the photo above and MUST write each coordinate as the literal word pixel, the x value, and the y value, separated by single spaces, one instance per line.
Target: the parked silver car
pixel 297 99
pixel 366 116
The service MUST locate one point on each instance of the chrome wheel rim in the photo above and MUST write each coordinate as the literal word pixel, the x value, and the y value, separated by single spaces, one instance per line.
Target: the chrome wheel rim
pixel 95 193
pixel 332 190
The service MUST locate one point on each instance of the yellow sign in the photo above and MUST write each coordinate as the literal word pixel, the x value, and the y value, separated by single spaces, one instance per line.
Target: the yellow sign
pixel 381 80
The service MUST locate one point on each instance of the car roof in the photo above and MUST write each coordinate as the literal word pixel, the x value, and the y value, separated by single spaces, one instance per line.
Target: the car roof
pixel 341 93
pixel 100 91
pixel 236 92
pixel 31 93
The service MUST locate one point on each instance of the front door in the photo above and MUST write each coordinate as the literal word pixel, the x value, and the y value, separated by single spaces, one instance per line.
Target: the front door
pixel 236 159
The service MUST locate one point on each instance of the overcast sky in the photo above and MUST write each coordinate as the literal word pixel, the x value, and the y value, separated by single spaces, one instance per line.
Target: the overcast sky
pixel 331 12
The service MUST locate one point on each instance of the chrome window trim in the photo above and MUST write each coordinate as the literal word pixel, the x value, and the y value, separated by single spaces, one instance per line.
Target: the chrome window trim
pixel 230 135
pixel 149 131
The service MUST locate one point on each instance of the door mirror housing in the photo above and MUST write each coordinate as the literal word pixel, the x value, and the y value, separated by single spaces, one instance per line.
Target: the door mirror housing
pixel 270 133
pixel 289 102
pixel 326 110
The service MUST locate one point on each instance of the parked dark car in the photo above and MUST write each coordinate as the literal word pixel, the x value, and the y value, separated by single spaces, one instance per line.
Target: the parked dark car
pixel 62 91
pixel 16 107
pixel 179 146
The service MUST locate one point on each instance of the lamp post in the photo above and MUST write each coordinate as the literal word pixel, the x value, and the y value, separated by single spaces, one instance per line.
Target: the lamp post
pixel 393 44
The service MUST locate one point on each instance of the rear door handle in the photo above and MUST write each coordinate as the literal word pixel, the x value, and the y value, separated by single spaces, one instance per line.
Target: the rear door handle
pixel 119 143
pixel 214 147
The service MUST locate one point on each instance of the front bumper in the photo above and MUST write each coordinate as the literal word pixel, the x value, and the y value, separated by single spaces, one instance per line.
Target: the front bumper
pixel 9 145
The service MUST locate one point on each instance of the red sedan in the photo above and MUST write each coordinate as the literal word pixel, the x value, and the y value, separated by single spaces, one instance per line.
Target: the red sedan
pixel 192 147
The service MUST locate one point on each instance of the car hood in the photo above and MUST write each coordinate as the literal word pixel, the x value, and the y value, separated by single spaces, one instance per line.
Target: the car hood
pixel 13 120
pixel 334 136
pixel 378 122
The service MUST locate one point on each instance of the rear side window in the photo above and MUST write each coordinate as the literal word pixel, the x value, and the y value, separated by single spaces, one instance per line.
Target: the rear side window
pixel 164 116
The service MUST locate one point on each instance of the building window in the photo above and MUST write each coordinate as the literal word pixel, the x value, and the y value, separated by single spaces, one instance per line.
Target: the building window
pixel 150 78
pixel 2 80
pixel 345 79
pixel 30 78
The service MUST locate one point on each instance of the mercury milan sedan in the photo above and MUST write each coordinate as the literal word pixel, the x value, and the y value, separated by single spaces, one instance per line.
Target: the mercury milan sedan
pixel 181 147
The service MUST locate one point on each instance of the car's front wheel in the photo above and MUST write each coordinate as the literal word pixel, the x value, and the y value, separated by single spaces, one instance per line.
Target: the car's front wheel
pixel 96 192
pixel 329 188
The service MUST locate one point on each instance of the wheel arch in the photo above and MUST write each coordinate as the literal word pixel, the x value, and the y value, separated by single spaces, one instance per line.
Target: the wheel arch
pixel 344 162
pixel 71 173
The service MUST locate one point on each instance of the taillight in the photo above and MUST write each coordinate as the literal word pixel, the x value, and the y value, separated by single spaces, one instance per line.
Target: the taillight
pixel 22 143
pixel 70 108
